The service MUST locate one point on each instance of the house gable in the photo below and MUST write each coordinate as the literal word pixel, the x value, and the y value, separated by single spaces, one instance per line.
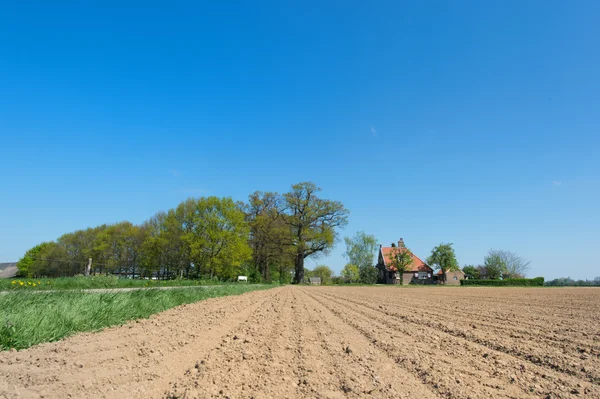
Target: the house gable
pixel 417 264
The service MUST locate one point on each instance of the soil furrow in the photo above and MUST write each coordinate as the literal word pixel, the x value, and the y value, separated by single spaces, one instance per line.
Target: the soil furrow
pixel 562 356
pixel 422 355
pixel 363 369
pixel 530 378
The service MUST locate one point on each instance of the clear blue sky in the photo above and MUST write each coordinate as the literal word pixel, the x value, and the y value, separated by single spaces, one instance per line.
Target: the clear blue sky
pixel 470 122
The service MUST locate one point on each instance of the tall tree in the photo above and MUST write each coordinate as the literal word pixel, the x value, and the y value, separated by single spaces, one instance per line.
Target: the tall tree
pixel 111 246
pixel 443 258
pixel 312 221
pixel 134 237
pixel 79 247
pixel 270 238
pixel 494 265
pixel 360 251
pixel 514 266
pixel 217 237
pixel 400 258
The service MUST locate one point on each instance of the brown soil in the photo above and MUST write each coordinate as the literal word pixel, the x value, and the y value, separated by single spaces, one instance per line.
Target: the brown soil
pixel 333 342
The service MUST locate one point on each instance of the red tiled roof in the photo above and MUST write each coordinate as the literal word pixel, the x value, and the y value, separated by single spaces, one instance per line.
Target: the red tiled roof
pixel 417 264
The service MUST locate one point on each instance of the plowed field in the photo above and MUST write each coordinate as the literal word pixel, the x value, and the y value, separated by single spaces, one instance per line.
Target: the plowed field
pixel 333 342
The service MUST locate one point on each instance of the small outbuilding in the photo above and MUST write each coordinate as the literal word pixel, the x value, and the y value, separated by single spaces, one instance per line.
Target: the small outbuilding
pixel 452 277
pixel 314 280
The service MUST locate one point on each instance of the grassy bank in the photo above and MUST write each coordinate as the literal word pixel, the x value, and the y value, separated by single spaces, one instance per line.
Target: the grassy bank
pixel 75 283
pixel 29 318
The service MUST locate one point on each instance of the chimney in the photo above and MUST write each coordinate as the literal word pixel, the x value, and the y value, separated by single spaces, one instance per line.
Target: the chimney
pixel 401 243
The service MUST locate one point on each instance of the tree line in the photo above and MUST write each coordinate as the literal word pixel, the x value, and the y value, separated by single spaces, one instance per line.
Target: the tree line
pixel 268 238
pixel 569 282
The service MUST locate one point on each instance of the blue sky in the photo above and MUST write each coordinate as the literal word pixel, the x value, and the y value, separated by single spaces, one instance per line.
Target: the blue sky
pixel 465 122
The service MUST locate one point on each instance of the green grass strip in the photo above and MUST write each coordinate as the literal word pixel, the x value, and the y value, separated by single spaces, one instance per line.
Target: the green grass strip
pixel 30 318
pixel 75 283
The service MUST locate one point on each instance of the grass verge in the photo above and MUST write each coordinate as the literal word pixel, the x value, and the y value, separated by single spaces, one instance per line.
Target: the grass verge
pixel 30 318
pixel 77 283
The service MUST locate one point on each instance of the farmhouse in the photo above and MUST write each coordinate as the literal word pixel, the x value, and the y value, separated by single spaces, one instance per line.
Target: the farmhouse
pixel 388 274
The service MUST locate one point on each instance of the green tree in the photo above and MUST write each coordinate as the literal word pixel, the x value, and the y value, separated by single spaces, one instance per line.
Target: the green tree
pixel 350 273
pixel 324 272
pixel 400 259
pixel 134 237
pixel 30 261
pixel 471 271
pixel 514 266
pixel 312 221
pixel 443 258
pixel 79 248
pixel 271 239
pixel 360 251
pixel 111 246
pixel 52 261
pixel 494 265
pixel 217 237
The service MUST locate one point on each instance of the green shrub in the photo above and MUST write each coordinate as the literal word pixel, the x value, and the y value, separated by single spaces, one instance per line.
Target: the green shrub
pixel 509 282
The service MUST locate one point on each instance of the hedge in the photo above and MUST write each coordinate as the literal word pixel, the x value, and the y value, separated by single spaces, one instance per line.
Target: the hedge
pixel 513 282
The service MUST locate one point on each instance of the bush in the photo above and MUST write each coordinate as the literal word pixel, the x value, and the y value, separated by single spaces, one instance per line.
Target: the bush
pixel 509 282
pixel 416 281
pixel 368 274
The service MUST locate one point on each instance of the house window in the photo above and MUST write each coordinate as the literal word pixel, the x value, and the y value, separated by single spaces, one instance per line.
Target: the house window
pixel 416 275
pixel 428 275
pixel 456 278
pixel 422 275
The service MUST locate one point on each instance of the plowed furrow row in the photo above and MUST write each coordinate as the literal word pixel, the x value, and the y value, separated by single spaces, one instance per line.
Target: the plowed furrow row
pixel 461 356
pixel 252 357
pixel 415 352
pixel 504 312
pixel 461 311
pixel 362 369
pixel 536 349
pixel 544 338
